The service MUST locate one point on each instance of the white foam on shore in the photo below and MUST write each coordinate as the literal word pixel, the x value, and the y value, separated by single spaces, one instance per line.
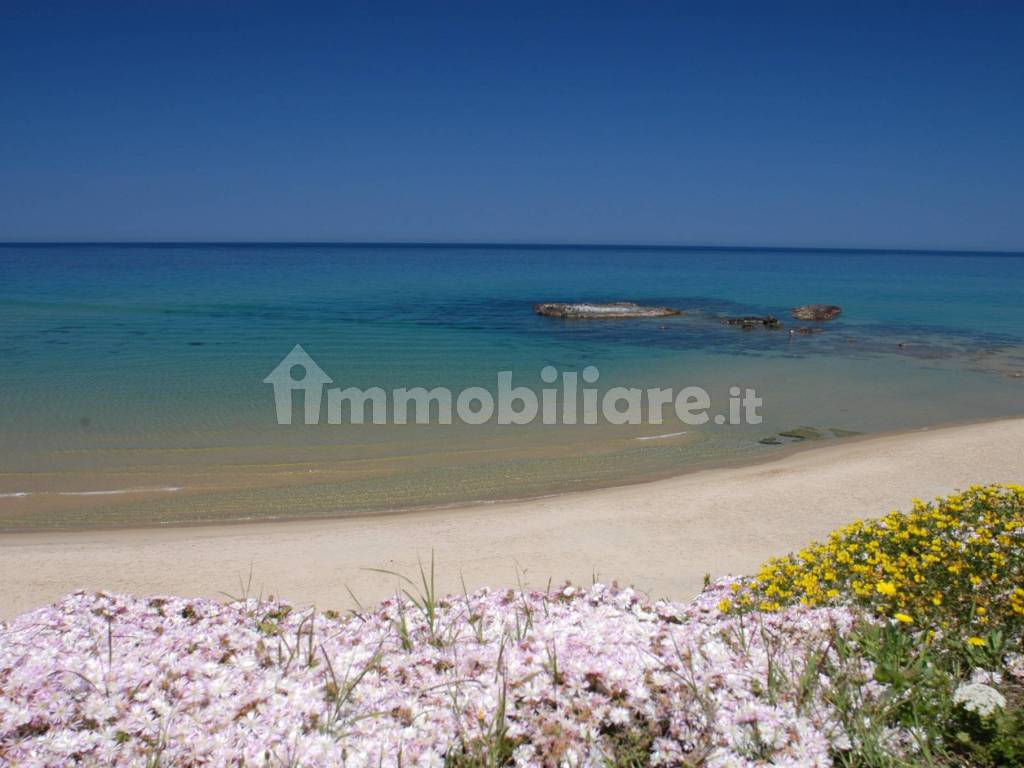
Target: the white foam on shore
pixel 660 437
pixel 119 491
pixel 113 492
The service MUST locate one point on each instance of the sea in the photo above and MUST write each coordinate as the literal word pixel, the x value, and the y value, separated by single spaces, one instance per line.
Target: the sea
pixel 133 392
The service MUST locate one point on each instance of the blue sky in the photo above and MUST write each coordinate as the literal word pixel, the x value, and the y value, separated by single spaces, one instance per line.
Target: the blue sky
pixel 733 123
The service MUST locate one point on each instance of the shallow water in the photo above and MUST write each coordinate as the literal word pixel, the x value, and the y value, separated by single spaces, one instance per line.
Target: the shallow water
pixel 141 367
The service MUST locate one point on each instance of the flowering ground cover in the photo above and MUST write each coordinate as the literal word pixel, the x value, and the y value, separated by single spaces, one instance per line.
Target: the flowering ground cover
pixel 864 651
pixel 955 564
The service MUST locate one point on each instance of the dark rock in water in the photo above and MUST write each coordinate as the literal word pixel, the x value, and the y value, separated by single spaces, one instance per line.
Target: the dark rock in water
pixel 615 310
pixel 805 330
pixel 807 433
pixel 816 312
pixel 752 321
pixel 802 433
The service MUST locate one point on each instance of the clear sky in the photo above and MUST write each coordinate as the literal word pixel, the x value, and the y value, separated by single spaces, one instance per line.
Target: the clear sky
pixel 700 123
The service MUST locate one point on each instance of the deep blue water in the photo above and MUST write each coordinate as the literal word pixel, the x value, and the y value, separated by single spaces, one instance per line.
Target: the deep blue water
pixel 146 347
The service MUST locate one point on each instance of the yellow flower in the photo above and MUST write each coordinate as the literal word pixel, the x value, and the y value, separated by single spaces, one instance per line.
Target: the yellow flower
pixel 929 563
pixel 975 641
pixel 885 588
pixel 903 617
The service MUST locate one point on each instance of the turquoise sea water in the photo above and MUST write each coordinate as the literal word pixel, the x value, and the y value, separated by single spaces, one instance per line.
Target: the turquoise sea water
pixel 128 367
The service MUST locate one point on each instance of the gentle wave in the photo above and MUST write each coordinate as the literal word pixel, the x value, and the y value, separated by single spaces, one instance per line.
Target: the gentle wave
pixel 119 491
pixel 660 437
pixel 113 492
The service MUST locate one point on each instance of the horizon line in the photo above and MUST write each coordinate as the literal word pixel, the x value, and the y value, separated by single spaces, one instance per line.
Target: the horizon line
pixel 498 245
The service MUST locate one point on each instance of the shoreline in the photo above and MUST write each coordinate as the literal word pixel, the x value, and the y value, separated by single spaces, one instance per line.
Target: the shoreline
pixel 661 535
pixel 768 455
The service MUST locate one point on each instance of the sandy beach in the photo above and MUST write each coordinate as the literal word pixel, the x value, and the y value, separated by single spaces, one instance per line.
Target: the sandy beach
pixel 661 537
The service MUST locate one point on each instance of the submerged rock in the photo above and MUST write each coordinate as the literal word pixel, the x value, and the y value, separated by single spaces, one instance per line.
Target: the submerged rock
pixel 589 311
pixel 752 321
pixel 802 433
pixel 816 312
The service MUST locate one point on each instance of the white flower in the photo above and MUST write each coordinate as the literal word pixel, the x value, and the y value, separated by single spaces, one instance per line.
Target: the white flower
pixel 979 698
pixel 1015 665
pixel 619 715
pixel 985 676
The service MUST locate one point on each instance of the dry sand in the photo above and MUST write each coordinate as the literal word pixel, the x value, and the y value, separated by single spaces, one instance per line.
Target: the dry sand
pixel 661 537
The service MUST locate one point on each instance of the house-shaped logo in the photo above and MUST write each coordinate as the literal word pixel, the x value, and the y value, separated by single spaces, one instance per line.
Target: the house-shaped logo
pixel 298 371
